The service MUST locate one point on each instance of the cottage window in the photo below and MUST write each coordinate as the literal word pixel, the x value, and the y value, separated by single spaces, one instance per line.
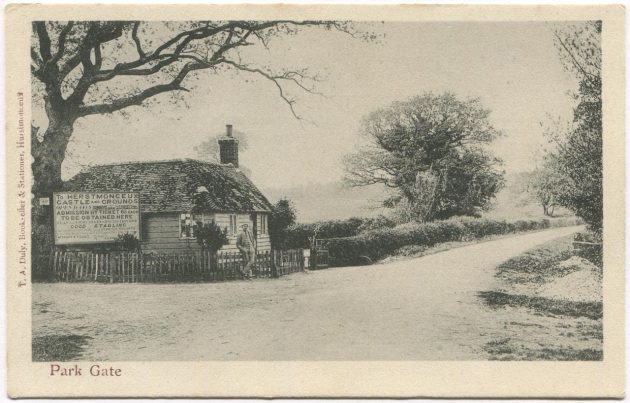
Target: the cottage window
pixel 233 224
pixel 187 223
pixel 262 224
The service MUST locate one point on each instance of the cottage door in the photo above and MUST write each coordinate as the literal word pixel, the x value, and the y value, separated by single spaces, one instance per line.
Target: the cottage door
pixel 253 220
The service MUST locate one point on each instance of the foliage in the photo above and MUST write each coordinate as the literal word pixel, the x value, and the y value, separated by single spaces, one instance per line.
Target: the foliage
pixel 283 215
pixel 381 221
pixel 548 184
pixel 297 235
pixel 127 242
pixel 430 149
pixel 519 188
pixel 593 248
pixel 210 236
pixel 376 244
pixel 42 238
pixel 578 156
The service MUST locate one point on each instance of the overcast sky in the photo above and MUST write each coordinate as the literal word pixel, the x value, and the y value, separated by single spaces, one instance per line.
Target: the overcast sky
pixel 512 67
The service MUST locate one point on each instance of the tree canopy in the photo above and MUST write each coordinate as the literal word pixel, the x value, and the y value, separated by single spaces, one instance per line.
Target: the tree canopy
pixel 547 184
pixel 578 153
pixel 431 150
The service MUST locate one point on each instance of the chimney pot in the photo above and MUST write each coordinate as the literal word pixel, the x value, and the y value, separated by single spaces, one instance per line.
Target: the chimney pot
pixel 228 148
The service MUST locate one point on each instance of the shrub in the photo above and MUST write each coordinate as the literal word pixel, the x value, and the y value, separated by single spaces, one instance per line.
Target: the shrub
pixel 283 215
pixel 127 242
pixel 42 238
pixel 297 235
pixel 592 250
pixel 379 222
pixel 210 236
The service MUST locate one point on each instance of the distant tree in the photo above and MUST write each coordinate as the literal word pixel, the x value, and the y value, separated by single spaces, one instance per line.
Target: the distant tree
pixel 548 184
pixel 519 188
pixel 210 236
pixel 578 155
pixel 431 151
pixel 283 215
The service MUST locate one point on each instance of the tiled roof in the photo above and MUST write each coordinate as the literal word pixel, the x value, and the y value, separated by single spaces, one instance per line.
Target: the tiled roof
pixel 175 185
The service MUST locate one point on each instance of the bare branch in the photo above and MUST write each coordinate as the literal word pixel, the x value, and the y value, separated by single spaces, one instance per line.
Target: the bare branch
pixel 137 99
pixel 36 59
pixel 98 58
pixel 134 36
pixel 61 44
pixel 276 80
pixel 44 40
pixel 576 64
pixel 94 36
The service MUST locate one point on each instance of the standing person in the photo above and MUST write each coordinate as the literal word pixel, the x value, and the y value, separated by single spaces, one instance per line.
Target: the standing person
pixel 246 243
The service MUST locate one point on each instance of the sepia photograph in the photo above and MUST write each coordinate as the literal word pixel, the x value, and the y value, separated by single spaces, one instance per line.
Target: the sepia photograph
pixel 313 189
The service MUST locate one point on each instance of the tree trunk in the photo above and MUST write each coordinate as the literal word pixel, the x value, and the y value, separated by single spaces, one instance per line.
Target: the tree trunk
pixel 438 187
pixel 48 155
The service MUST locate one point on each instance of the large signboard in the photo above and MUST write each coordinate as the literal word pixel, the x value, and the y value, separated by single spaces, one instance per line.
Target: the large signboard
pixel 99 217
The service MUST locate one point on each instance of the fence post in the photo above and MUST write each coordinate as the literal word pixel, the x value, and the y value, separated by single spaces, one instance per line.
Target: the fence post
pixel 55 264
pixel 274 269
pixel 112 267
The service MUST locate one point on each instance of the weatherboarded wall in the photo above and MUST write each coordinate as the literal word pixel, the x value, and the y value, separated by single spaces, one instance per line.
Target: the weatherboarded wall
pixel 161 232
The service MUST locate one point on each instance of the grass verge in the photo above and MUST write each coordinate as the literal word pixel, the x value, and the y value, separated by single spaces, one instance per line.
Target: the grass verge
pixel 506 350
pixel 537 264
pixel 58 347
pixel 548 306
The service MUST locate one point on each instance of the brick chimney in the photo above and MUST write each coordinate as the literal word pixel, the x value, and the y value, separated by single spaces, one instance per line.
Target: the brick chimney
pixel 228 148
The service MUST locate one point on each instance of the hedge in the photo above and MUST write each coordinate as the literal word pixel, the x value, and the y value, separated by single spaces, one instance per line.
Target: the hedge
pixel 376 244
pixel 296 236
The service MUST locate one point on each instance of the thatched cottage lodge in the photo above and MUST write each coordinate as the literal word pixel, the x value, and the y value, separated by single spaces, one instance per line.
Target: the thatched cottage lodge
pixel 174 195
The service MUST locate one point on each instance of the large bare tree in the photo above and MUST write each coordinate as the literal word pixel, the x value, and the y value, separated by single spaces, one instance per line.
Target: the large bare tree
pixel 85 68
pixel 89 68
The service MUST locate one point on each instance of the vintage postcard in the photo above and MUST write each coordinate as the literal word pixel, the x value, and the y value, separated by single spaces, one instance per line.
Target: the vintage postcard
pixel 315 201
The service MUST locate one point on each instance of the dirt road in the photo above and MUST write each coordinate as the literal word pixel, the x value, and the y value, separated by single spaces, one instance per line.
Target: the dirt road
pixel 419 309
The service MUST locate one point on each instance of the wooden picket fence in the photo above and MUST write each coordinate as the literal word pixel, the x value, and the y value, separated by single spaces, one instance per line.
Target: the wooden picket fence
pixel 138 267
